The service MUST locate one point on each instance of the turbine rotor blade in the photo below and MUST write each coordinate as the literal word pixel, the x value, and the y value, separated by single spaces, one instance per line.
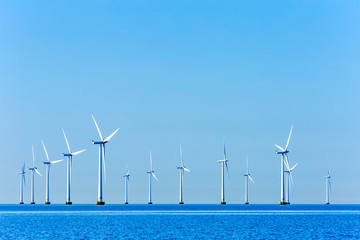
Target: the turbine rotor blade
pixel 33 156
pixel 78 152
pixel 280 148
pixel 47 156
pixel 251 179
pixel 37 172
pixel 186 169
pixel 224 152
pixel 294 167
pixel 227 169
pixel 153 174
pixel 151 168
pixel 56 161
pixel 67 143
pixel 181 156
pixel 287 144
pixel 97 127
pixel 111 135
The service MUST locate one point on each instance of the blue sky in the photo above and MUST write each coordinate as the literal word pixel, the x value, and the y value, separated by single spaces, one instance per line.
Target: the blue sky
pixel 182 72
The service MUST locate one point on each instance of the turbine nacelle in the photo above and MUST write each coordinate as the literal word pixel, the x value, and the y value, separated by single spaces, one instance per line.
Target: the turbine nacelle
pixel 282 152
pixel 99 142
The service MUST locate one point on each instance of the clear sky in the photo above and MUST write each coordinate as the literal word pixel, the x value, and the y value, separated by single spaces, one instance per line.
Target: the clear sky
pixel 196 73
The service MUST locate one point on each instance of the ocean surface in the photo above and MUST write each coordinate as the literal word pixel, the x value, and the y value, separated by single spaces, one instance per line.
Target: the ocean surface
pixel 179 221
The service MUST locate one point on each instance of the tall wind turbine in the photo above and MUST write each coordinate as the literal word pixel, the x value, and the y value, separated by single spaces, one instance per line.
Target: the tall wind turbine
pixel 284 161
pixel 33 170
pixel 247 177
pixel 181 168
pixel 22 181
pixel 151 174
pixel 127 178
pixel 68 169
pixel 47 164
pixel 102 169
pixel 290 182
pixel 328 187
pixel 223 165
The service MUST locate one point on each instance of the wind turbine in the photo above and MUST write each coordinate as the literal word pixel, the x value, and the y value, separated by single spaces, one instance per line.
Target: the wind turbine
pixel 101 160
pixel 247 177
pixel 33 170
pixel 284 161
pixel 68 168
pixel 181 168
pixel 328 187
pixel 223 165
pixel 151 174
pixel 289 184
pixel 47 164
pixel 22 181
pixel 127 178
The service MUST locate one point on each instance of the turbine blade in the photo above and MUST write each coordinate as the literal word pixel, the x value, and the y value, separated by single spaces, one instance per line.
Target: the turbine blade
pixel 23 177
pixel 186 169
pixel 23 167
pixel 111 135
pixel 224 152
pixel 247 165
pixel 287 162
pixel 227 169
pixel 181 156
pixel 56 161
pixel 47 156
pixel 287 144
pixel 37 172
pixel 151 168
pixel 78 152
pixel 67 143
pixel 153 174
pixel 251 179
pixel 294 167
pixel 97 127
pixel 280 148
pixel 33 156
pixel 329 185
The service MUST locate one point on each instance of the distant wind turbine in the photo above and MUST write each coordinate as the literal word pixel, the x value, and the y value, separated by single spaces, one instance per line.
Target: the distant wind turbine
pixel 151 174
pixel 47 164
pixel 284 161
pixel 181 168
pixel 328 187
pixel 101 161
pixel 127 178
pixel 223 166
pixel 247 177
pixel 290 182
pixel 33 170
pixel 22 182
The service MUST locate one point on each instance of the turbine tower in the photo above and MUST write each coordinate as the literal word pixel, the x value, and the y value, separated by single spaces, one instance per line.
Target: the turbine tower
pixel 223 165
pixel 151 174
pixel 22 181
pixel 290 182
pixel 181 168
pixel 47 164
pixel 247 177
pixel 102 169
pixel 284 161
pixel 33 170
pixel 68 168
pixel 127 178
pixel 328 188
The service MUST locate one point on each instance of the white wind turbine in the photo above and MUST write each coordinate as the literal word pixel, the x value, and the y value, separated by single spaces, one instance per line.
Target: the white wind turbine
pixel 47 164
pixel 101 161
pixel 247 177
pixel 33 170
pixel 181 168
pixel 290 182
pixel 22 182
pixel 328 187
pixel 151 174
pixel 127 178
pixel 223 165
pixel 68 168
pixel 284 161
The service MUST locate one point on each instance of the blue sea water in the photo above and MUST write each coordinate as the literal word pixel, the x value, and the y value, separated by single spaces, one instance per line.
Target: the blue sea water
pixel 179 222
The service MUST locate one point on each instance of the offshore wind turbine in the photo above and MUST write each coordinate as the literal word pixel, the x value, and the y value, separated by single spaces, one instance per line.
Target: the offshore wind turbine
pixel 247 177
pixel 151 174
pixel 127 178
pixel 102 168
pixel 48 164
pixel 181 168
pixel 68 168
pixel 289 184
pixel 284 162
pixel 223 166
pixel 328 187
pixel 33 169
pixel 22 181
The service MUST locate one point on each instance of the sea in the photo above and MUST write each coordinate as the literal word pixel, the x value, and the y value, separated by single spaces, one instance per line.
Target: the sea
pixel 188 221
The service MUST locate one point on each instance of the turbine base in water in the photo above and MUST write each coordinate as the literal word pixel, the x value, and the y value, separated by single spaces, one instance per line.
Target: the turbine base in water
pixel 223 203
pixel 181 202
pixel 21 202
pixel 126 203
pixel 284 203
pixel 327 203
pixel 149 202
pixel 47 203
pixel 246 203
pixel 100 203
pixel 68 203
pixel 32 202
